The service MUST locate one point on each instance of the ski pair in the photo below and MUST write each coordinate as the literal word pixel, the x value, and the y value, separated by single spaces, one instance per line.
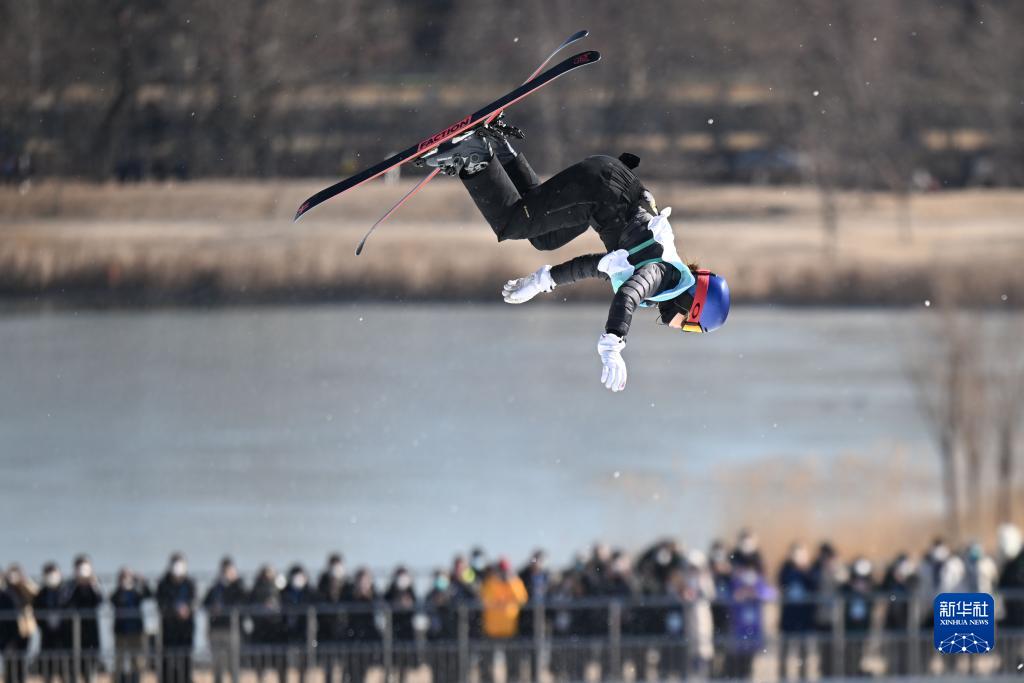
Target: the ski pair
pixel 579 35
pixel 483 116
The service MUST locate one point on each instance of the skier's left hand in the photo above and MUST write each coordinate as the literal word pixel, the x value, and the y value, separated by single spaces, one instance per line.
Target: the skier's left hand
pixel 613 374
pixel 521 290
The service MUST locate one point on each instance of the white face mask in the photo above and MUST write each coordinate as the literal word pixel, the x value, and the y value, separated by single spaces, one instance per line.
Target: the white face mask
pixel 178 569
pixel 298 582
pixel 403 581
pixel 52 579
pixel 862 568
pixel 338 570
pixel 84 571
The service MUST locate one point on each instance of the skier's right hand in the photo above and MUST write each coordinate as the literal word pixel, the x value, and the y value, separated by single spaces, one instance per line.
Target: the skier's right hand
pixel 521 290
pixel 613 370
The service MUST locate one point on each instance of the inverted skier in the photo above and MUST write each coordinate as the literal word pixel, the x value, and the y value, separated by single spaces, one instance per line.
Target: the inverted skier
pixel 601 191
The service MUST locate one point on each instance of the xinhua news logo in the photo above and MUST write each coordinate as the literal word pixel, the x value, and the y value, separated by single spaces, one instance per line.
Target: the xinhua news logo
pixel 964 623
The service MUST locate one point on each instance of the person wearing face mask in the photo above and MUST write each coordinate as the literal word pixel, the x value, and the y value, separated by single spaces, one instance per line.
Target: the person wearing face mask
pixel 18 624
pixel 263 647
pixel 721 575
pixel 1011 580
pixel 54 627
pixel 898 586
pixel 749 593
pixel 441 623
pixel 796 585
pixel 332 590
pixel 478 563
pixel 933 571
pixel 401 596
pixel 465 582
pixel 982 573
pixel 829 575
pixel 438 604
pixel 226 595
pixel 362 624
pixel 296 599
pixel 748 551
pixel 534 575
pixel 129 634
pixel 84 598
pixel 858 603
pixel 502 595
pixel 176 597
pixel 697 590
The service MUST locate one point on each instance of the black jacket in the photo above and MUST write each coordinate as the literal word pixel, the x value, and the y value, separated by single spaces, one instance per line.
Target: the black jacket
pixel 54 628
pixel 295 603
pixel 176 599
pixel 1012 580
pixel 221 599
pixel 798 591
pixel 84 598
pixel 127 603
pixel 403 611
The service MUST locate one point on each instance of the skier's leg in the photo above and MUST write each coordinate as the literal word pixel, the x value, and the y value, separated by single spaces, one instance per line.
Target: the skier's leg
pixel 559 238
pixel 525 179
pixel 521 173
pixel 564 201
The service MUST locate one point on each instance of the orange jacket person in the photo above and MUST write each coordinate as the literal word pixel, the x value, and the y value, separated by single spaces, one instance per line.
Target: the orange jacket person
pixel 503 596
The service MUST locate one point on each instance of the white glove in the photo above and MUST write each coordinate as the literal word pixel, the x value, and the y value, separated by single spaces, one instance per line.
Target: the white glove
pixel 610 347
pixel 523 289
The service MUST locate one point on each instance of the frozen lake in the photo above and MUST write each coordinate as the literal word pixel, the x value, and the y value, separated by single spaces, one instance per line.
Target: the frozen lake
pixel 407 432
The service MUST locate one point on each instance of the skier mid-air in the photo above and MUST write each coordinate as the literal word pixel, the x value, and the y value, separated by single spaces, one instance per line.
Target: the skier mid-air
pixel 641 260
pixel 601 191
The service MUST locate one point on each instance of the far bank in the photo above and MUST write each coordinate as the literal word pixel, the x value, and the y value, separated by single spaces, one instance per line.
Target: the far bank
pixel 225 242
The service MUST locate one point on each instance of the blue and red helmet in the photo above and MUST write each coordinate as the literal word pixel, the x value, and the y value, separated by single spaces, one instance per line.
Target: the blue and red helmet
pixel 702 308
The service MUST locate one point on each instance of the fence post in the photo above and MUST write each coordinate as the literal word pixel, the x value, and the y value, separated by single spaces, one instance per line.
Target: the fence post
pixel 310 637
pixel 235 651
pixel 839 638
pixel 538 637
pixel 614 642
pixel 158 652
pixel 76 646
pixel 463 628
pixel 914 634
pixel 389 644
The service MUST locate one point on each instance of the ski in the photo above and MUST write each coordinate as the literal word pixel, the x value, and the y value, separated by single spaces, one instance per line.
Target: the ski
pixel 432 142
pixel 579 35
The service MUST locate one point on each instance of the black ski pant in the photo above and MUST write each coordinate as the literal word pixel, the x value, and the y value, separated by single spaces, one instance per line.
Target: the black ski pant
pixel 598 190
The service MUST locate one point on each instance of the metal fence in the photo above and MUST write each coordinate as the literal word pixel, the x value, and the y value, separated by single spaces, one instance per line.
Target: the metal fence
pixel 589 640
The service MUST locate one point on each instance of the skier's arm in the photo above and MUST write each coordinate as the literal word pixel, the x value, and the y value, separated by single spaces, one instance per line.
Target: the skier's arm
pixel 547 278
pixel 577 269
pixel 645 282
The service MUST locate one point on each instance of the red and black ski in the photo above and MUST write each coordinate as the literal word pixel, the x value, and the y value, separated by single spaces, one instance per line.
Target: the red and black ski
pixel 421 148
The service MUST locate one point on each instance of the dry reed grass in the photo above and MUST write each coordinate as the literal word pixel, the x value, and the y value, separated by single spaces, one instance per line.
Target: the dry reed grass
pixel 234 240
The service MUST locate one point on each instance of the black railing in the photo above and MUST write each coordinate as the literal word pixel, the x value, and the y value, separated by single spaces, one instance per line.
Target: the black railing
pixel 592 639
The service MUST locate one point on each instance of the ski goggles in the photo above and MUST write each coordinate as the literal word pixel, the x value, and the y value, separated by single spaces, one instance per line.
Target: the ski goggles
pixel 690 321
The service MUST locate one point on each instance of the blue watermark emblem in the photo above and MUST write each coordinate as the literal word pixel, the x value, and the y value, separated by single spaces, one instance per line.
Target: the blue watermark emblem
pixel 965 623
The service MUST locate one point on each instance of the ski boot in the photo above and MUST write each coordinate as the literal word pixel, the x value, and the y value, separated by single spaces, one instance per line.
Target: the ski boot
pixel 498 132
pixel 467 153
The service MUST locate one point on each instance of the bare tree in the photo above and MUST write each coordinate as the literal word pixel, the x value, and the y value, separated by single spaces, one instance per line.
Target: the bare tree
pixel 1007 410
pixel 943 379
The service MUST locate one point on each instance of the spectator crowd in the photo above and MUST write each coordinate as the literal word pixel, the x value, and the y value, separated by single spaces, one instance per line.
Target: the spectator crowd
pixel 666 612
